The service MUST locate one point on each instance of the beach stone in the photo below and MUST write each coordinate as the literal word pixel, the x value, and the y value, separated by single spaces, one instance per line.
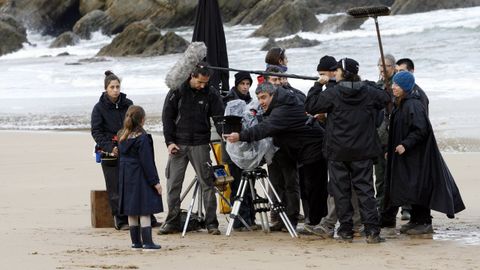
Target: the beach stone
pixel 66 39
pixel 143 39
pixel 338 23
pixel 87 6
pixel 93 21
pixel 51 17
pixel 413 6
pixel 288 19
pixel 12 34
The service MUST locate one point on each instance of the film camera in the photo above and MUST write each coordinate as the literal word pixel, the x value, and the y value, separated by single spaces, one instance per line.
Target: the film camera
pixel 229 123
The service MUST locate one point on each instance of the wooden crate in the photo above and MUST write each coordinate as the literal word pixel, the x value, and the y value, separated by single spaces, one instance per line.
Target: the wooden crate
pixel 100 209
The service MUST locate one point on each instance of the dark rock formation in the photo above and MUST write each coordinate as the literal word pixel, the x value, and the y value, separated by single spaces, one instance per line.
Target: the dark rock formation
pixel 12 34
pixel 340 23
pixel 87 6
pixel 231 9
pixel 335 6
pixel 143 39
pixel 259 12
pixel 66 39
pixel 51 17
pixel 295 42
pixel 288 19
pixel 414 6
pixel 93 21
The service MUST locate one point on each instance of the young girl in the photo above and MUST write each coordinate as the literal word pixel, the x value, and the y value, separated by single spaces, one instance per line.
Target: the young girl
pixel 416 172
pixel 140 190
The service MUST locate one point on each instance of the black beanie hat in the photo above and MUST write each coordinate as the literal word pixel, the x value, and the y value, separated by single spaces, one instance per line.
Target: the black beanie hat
pixel 349 65
pixel 242 75
pixel 327 63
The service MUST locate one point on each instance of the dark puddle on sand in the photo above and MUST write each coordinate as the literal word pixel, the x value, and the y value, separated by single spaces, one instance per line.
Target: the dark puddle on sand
pixel 460 236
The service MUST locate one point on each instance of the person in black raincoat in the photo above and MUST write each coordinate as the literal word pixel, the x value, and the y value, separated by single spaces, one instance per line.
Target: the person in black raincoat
pixel 416 171
pixel 107 119
pixel 351 144
pixel 140 189
pixel 285 123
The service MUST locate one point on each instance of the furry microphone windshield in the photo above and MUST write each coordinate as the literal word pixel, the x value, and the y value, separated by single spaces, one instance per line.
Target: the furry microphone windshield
pixel 182 69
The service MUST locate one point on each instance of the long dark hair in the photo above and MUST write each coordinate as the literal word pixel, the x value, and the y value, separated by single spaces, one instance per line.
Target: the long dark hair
pixel 110 76
pixel 133 122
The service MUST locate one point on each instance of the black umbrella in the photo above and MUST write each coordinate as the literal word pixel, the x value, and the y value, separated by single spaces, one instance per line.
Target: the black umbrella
pixel 209 29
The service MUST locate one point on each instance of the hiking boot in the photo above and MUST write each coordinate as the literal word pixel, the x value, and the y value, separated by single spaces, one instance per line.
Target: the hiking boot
pixel 345 236
pixel 213 230
pixel 405 227
pixel 405 215
pixel 374 238
pixel 359 231
pixel 420 229
pixel 320 230
pixel 168 229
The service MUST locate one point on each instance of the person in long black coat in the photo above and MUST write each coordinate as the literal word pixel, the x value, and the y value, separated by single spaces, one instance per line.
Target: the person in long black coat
pixel 416 172
pixel 140 189
pixel 107 119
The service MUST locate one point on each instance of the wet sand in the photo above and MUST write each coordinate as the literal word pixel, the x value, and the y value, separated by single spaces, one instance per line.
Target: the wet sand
pixel 45 183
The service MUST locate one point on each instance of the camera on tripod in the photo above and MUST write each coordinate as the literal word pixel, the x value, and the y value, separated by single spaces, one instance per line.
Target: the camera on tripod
pixel 229 123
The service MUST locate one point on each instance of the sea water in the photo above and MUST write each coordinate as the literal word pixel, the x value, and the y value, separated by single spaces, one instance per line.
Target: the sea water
pixel 42 91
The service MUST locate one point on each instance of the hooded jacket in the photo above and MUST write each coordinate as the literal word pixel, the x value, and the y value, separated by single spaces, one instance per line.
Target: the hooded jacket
pixel 352 109
pixel 187 112
pixel 107 119
pixel 137 177
pixel 420 175
pixel 234 94
pixel 285 122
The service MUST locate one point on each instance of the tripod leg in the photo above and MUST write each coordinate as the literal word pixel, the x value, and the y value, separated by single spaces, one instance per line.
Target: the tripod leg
pixel 190 208
pixel 236 205
pixel 229 204
pixel 283 215
pixel 258 208
pixel 188 189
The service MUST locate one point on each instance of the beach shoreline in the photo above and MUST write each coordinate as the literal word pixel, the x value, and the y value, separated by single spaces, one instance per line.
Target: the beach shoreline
pixel 46 179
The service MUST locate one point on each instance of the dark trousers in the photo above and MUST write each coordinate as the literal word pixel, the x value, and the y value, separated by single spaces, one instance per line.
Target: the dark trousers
pixel 246 210
pixel 313 183
pixel 110 174
pixel 420 214
pixel 284 177
pixel 357 175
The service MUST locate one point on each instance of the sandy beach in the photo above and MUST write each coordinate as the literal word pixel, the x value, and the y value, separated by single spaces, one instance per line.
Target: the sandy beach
pixel 45 184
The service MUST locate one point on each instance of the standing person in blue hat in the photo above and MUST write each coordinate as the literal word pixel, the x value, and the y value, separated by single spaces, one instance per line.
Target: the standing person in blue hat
pixel 416 172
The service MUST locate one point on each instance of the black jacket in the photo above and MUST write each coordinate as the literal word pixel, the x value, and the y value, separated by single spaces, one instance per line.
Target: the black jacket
pixel 420 175
pixel 234 94
pixel 299 94
pixel 186 114
pixel 107 119
pixel 285 122
pixel 423 96
pixel 352 109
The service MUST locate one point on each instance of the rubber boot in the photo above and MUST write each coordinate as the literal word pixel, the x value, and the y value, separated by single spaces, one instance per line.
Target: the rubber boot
pixel 135 236
pixel 147 239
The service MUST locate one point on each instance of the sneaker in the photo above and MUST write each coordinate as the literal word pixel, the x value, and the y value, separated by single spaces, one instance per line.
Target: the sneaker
pixel 405 227
pixel 405 215
pixel 374 238
pixel 168 229
pixel 213 230
pixel 320 230
pixel 345 236
pixel 420 229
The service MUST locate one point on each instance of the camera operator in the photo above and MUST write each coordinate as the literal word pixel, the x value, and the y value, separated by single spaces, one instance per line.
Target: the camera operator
pixel 351 144
pixel 285 123
pixel 186 128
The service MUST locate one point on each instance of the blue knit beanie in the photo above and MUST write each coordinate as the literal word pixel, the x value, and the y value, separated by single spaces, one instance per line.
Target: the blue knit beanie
pixel 405 80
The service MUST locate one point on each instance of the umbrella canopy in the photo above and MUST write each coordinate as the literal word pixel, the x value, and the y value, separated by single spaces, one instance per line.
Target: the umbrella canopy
pixel 209 29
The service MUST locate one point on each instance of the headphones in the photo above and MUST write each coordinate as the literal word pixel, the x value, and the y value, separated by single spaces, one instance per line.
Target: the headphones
pixel 346 73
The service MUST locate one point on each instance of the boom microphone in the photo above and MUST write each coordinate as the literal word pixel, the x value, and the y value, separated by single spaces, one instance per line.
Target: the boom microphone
pixel 182 69
pixel 370 11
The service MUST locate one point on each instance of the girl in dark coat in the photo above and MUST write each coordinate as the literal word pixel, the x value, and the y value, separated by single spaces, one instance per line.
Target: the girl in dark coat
pixel 107 119
pixel 140 189
pixel 416 171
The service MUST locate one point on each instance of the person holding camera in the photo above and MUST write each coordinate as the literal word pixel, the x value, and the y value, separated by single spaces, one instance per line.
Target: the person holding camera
pixel 285 123
pixel 351 144
pixel 107 119
pixel 186 127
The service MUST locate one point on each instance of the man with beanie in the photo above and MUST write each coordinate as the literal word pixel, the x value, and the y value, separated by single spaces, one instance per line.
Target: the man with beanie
pixel 243 82
pixel 350 145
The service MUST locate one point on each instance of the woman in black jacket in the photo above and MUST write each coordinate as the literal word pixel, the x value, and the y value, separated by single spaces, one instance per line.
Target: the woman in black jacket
pixel 416 172
pixel 107 119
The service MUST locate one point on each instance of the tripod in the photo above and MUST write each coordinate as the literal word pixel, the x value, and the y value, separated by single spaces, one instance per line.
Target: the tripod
pixel 197 194
pixel 261 205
